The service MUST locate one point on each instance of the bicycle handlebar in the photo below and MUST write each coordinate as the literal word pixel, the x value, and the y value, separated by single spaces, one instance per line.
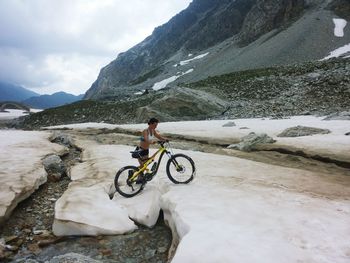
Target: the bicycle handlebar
pixel 162 142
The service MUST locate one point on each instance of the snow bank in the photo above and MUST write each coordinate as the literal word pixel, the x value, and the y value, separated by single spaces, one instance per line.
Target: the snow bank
pixel 331 145
pixel 86 209
pixel 21 166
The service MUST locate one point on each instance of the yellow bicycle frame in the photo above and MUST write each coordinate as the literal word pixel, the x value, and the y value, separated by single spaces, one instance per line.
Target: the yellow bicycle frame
pixel 144 167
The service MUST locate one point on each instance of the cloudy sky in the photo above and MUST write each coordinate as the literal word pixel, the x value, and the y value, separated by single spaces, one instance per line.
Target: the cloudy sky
pixel 61 45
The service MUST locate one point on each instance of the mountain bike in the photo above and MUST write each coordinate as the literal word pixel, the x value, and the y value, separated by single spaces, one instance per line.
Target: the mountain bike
pixel 131 180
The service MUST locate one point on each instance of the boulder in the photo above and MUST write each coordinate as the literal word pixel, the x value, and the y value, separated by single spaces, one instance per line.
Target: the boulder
pixel 249 142
pixel 343 116
pixel 63 139
pixel 54 167
pixel 302 131
pixel 229 124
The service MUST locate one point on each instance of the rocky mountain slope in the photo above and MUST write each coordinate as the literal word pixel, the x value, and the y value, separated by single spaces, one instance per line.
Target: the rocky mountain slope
pixel 318 88
pixel 217 37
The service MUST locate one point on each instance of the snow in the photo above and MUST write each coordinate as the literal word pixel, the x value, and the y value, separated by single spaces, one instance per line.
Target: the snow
pixel 235 210
pixel 335 143
pixel 185 62
pixel 339 25
pixel 338 52
pixel 13 113
pixel 21 154
pixel 162 84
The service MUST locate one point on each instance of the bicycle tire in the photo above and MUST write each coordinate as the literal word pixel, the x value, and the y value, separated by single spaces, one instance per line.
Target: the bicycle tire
pixel 184 173
pixel 125 188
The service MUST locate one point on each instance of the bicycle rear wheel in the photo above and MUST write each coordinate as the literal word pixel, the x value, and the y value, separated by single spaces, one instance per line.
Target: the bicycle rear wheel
pixel 124 185
pixel 180 169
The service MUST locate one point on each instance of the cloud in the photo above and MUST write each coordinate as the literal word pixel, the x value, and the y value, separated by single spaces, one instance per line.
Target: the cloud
pixel 48 46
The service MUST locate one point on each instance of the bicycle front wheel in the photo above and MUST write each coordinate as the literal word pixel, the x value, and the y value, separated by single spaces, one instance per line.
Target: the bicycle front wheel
pixel 124 185
pixel 180 169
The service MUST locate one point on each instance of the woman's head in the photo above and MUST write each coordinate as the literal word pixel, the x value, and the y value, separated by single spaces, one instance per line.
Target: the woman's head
pixel 152 123
pixel 153 120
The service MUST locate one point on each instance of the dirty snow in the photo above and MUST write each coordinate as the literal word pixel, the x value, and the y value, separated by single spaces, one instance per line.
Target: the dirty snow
pixel 239 210
pixel 13 113
pixel 22 172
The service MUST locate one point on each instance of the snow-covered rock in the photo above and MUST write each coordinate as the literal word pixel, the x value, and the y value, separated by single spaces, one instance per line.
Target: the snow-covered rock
pixel 22 171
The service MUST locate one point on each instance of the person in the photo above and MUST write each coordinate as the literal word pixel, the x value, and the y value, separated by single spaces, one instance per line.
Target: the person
pixel 147 138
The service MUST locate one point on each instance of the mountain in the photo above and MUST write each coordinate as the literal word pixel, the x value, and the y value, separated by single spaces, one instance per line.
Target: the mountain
pixel 50 101
pixel 11 92
pixel 219 37
pixel 222 60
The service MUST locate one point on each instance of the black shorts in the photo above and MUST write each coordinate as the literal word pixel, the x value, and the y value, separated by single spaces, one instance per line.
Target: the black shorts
pixel 140 153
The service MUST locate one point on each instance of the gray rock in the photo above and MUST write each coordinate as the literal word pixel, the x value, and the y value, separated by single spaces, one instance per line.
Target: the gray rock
pixel 314 75
pixel 347 134
pixel 229 124
pixel 72 258
pixel 302 131
pixel 62 139
pixel 54 167
pixel 344 116
pixel 249 142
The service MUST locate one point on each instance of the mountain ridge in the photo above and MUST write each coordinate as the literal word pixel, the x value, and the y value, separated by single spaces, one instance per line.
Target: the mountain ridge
pixel 49 101
pixel 12 92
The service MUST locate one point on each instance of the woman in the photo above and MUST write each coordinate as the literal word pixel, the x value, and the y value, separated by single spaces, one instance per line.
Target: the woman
pixel 147 138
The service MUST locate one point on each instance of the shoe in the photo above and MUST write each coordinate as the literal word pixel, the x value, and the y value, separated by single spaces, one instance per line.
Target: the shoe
pixel 140 179
pixel 148 176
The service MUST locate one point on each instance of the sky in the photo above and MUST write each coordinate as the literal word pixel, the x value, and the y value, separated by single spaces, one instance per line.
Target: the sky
pixel 60 45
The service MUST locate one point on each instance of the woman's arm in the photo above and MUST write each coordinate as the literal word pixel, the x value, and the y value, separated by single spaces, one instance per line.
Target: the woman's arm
pixel 158 136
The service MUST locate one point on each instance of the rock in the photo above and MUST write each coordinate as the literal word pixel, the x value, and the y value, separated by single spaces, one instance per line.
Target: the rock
pixel 229 124
pixel 302 131
pixel 48 241
pixel 62 139
pixel 54 167
pixel 34 248
pixel 72 258
pixel 250 141
pixel 43 232
pixel 314 75
pixel 344 116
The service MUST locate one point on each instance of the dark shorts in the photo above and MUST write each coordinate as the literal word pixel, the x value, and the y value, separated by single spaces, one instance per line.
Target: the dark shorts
pixel 140 153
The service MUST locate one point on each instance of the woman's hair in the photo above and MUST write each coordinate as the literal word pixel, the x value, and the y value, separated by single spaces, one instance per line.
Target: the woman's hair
pixel 153 120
